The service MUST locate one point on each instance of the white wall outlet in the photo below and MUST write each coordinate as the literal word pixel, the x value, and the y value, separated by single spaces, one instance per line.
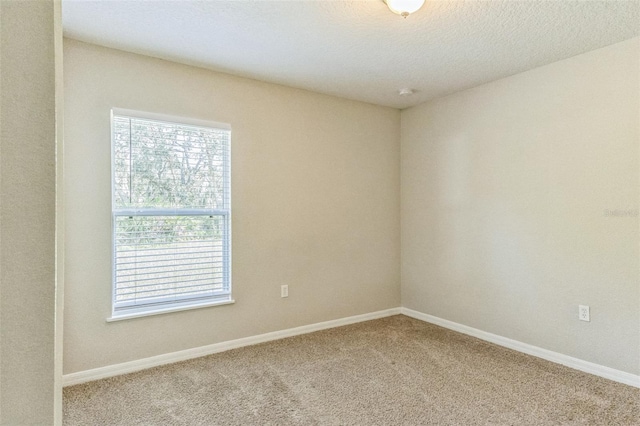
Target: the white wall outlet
pixel 583 313
pixel 284 291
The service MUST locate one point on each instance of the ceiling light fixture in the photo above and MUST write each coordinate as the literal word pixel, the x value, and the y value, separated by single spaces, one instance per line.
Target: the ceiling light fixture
pixel 404 8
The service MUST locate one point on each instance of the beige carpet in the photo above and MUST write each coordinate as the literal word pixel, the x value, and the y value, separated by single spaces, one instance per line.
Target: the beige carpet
pixel 392 371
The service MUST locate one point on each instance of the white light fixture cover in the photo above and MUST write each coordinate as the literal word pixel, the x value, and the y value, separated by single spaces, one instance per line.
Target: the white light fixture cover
pixel 404 7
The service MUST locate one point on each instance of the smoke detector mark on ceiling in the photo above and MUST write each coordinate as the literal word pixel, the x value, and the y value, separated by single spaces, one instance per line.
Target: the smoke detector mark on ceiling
pixel 406 92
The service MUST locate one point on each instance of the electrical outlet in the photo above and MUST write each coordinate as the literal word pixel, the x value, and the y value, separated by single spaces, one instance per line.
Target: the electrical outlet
pixel 284 291
pixel 583 313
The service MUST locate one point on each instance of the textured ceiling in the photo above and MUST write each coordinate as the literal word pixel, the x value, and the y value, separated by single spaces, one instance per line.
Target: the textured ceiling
pixel 357 49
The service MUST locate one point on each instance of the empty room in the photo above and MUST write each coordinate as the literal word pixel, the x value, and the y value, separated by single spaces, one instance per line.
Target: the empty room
pixel 376 212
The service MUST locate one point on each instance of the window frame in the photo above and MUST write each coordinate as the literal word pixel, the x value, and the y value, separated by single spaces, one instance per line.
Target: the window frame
pixel 166 306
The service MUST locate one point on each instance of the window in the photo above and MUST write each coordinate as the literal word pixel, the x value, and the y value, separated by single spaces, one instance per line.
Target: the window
pixel 171 213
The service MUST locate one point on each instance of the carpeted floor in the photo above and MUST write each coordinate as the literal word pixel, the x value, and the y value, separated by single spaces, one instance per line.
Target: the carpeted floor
pixel 392 371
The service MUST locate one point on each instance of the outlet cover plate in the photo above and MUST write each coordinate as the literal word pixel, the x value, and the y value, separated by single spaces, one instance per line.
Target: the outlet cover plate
pixel 583 313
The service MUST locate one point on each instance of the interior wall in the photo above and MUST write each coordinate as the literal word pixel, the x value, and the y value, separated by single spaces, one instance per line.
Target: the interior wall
pixel 29 390
pixel 520 202
pixel 315 199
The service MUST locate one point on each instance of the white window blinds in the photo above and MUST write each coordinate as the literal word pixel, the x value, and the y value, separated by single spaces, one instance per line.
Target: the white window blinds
pixel 171 214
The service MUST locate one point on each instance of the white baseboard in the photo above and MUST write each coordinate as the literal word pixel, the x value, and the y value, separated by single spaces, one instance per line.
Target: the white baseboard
pixel 558 358
pixel 154 361
pixel 142 364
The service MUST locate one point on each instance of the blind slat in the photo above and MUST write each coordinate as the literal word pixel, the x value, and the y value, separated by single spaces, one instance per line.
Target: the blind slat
pixel 209 264
pixel 138 291
pixel 154 273
pixel 174 278
pixel 176 251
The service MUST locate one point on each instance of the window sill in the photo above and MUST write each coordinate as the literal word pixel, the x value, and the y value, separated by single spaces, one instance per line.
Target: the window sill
pixel 132 315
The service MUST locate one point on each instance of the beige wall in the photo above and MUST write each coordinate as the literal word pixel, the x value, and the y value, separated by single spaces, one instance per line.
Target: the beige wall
pixel 29 389
pixel 315 187
pixel 504 192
